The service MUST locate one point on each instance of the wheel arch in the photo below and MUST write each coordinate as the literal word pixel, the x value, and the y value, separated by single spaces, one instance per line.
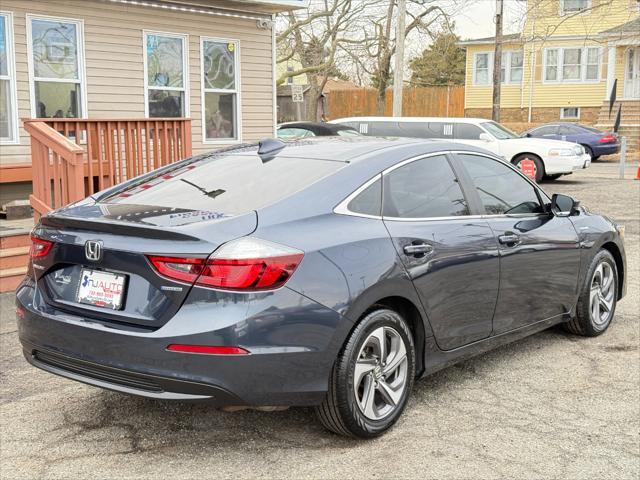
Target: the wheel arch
pixel 413 316
pixel 614 250
pixel 520 154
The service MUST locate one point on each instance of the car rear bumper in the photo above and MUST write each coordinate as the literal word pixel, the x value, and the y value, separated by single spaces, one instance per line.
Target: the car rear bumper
pixel 285 369
pixel 606 149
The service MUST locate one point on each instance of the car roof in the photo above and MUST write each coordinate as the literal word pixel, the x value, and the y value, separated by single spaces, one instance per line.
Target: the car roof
pixel 317 127
pixel 352 149
pixel 473 120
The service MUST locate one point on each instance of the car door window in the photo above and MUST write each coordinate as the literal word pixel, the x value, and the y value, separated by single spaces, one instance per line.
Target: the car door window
pixel 423 189
pixel 466 131
pixel 501 189
pixel 568 130
pixel 383 129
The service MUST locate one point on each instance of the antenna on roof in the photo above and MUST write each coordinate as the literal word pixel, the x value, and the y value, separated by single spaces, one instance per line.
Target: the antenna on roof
pixel 268 148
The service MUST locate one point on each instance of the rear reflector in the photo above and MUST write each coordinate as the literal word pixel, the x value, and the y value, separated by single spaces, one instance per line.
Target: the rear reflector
pixel 207 350
pixel 608 138
pixel 247 264
pixel 39 247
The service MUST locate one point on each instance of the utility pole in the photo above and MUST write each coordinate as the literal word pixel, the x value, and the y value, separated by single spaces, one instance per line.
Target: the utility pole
pixel 497 63
pixel 398 74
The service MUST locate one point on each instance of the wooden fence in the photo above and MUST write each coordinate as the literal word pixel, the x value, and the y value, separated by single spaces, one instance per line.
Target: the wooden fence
pixel 73 158
pixel 445 101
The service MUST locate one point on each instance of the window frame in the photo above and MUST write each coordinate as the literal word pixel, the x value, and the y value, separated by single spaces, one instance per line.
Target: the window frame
pixel 505 65
pixel 82 74
pixel 564 116
pixel 185 70
pixel 584 56
pixel 237 91
pixel 476 208
pixel 14 138
pixel 564 11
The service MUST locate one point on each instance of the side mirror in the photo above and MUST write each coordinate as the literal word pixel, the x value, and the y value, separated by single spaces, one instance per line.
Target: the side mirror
pixel 485 137
pixel 563 205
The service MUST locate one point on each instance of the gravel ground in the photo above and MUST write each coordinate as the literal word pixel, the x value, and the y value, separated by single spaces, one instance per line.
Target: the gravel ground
pixel 549 406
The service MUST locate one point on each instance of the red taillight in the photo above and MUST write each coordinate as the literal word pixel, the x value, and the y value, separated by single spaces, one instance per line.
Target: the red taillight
pixel 39 247
pixel 207 350
pixel 244 264
pixel 608 138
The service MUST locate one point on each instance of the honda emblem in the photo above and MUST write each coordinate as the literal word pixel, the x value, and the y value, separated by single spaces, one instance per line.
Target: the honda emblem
pixel 93 250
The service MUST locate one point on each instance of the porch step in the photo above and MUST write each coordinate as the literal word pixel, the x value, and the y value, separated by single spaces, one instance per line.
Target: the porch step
pixel 14 257
pixel 10 278
pixel 12 241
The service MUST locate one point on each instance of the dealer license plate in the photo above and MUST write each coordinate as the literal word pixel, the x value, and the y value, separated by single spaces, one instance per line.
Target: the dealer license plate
pixel 101 289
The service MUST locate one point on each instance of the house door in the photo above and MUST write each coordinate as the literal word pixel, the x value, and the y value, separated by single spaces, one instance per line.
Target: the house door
pixel 632 74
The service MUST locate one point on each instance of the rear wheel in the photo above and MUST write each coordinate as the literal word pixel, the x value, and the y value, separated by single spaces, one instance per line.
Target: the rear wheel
pixel 597 302
pixel 372 377
pixel 539 166
pixel 589 151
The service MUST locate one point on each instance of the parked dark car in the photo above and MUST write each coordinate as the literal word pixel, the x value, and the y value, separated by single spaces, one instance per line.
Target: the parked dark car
pixel 297 130
pixel 595 142
pixel 327 272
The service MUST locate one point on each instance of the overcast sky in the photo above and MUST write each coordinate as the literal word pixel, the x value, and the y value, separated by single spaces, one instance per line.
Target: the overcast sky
pixel 476 18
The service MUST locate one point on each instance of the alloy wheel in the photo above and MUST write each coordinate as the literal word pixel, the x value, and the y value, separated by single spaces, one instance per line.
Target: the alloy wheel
pixel 602 294
pixel 380 374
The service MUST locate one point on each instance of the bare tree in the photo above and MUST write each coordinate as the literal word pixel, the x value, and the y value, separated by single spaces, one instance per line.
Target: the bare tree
pixel 312 38
pixel 374 49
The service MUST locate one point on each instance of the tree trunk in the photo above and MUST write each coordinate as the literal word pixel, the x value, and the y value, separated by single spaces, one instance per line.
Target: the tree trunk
pixel 312 104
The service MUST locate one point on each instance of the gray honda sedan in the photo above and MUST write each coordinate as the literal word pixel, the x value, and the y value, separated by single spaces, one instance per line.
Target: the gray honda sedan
pixel 327 272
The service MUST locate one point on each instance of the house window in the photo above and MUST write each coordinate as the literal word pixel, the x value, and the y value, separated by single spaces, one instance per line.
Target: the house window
pixel 220 92
pixel 574 6
pixel 510 72
pixel 289 79
pixel 481 69
pixel 570 112
pixel 56 67
pixel 165 75
pixel 572 64
pixel 8 115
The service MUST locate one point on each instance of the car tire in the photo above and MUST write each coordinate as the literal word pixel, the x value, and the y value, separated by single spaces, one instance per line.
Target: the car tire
pixel 589 151
pixel 539 165
pixel 369 388
pixel 598 297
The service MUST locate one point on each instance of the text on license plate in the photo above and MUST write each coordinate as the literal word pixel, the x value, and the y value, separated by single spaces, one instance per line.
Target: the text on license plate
pixel 102 289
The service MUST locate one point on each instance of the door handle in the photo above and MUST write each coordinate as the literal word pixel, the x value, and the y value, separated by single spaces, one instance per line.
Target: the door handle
pixel 509 238
pixel 417 249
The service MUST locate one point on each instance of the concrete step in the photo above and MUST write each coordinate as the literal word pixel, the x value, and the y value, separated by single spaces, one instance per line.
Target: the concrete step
pixel 14 257
pixel 10 278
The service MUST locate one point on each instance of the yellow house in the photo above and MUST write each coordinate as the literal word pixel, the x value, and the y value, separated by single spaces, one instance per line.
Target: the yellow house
pixel 563 65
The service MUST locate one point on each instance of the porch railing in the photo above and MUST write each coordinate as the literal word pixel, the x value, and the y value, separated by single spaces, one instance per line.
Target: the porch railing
pixel 73 158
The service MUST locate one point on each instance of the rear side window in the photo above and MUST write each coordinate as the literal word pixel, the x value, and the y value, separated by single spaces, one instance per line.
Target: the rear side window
pixel 369 201
pixel 548 130
pixel 383 129
pixel 289 133
pixel 422 189
pixel 228 183
pixel 501 190
pixel 466 131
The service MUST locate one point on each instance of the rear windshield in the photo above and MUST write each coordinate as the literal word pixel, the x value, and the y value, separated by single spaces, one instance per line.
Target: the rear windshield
pixel 230 184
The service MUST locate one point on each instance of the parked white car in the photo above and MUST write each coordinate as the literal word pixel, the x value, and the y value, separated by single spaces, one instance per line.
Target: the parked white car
pixel 553 158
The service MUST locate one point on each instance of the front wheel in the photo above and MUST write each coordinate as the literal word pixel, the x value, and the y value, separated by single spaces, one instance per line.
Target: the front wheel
pixel 372 377
pixel 539 166
pixel 597 302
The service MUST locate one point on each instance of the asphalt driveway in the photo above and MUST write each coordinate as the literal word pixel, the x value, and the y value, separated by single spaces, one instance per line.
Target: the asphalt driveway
pixel 552 405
